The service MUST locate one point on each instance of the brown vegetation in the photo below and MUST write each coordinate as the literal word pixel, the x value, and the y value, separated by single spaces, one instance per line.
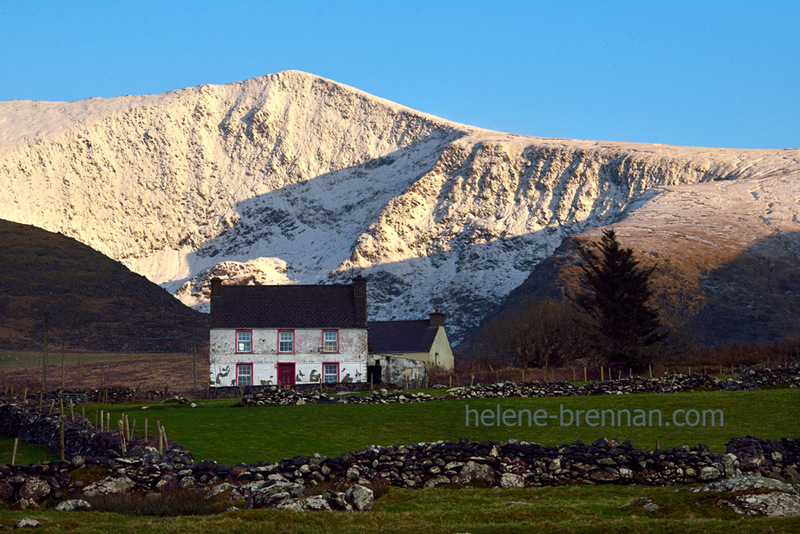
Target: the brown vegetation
pixel 55 288
pixel 158 372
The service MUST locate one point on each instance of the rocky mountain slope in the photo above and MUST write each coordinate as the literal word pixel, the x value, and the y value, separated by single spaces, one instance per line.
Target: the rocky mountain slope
pixel 292 178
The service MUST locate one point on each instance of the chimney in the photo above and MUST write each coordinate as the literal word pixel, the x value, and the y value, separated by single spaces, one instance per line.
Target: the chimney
pixel 360 299
pixel 216 286
pixel 437 319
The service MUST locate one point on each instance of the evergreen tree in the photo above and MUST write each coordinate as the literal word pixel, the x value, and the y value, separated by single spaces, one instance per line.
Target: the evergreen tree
pixel 615 298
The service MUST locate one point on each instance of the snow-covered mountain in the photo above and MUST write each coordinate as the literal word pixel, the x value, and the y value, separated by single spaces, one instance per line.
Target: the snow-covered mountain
pixel 292 178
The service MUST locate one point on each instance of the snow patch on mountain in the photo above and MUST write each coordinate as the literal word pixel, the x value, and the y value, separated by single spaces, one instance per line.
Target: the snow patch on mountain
pixel 260 271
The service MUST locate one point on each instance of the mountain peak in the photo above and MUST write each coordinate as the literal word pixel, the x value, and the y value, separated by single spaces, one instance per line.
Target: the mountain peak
pixel 308 180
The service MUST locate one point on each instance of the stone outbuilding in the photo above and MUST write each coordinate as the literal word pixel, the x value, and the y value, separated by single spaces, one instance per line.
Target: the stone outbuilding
pixel 422 340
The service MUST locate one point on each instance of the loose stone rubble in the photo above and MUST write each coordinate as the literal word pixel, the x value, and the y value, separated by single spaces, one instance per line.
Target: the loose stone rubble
pixel 755 495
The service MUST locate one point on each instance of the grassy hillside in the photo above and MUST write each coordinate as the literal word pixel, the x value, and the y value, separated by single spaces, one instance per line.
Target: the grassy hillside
pixel 86 299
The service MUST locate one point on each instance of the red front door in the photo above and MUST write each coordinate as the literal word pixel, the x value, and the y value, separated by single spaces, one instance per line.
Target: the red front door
pixel 285 374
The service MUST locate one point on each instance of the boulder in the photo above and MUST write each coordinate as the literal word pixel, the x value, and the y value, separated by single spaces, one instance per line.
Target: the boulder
pixel 295 505
pixel 360 497
pixel 109 486
pixel 73 505
pixel 34 489
pixel 27 522
pixel 770 498
pixel 709 473
pixel 775 504
pixel 6 491
pixel 511 480
pixel 317 503
pixel 475 472
pixel 748 483
pixel 167 482
pixel 272 493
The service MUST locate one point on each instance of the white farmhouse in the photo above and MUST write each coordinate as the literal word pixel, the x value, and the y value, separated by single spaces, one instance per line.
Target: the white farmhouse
pixel 287 335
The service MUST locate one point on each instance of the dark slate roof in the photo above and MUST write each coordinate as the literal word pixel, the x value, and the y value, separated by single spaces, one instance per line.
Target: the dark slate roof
pixel 288 306
pixel 401 336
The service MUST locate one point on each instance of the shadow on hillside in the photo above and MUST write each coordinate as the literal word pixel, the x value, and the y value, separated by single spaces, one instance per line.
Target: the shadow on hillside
pixel 754 298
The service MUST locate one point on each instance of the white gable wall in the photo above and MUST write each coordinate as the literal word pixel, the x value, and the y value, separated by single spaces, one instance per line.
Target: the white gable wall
pixel 308 355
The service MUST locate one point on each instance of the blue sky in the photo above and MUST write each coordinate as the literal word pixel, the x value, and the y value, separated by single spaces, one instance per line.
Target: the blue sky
pixel 683 73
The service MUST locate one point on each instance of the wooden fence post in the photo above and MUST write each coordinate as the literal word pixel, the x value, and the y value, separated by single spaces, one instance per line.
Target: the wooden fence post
pixel 61 438
pixel 63 346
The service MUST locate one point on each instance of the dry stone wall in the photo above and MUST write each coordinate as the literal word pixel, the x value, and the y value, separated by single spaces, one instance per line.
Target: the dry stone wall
pixel 97 463
pixel 505 464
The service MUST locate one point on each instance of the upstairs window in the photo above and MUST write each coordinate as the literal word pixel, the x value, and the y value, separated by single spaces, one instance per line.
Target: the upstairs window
pixel 244 341
pixel 330 341
pixel 330 373
pixel 286 341
pixel 244 374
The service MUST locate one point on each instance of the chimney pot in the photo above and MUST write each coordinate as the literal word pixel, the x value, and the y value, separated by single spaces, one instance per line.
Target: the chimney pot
pixel 437 319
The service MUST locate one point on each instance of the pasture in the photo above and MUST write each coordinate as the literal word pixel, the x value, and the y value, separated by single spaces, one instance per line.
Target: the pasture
pixel 219 431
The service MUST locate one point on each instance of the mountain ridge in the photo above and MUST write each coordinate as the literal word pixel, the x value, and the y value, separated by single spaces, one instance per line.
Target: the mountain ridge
pixel 294 178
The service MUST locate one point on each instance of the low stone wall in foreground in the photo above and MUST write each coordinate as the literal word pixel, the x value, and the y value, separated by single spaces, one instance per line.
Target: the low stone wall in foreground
pixel 504 464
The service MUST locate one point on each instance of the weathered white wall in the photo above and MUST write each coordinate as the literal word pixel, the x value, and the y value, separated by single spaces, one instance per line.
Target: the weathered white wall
pixel 395 370
pixel 308 358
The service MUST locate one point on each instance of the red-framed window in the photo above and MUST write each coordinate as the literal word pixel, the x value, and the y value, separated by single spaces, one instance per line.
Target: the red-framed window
pixel 330 341
pixel 244 341
pixel 244 374
pixel 330 372
pixel 286 341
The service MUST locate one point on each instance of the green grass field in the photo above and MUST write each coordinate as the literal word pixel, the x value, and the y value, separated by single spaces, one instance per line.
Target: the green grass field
pixel 27 453
pixel 217 431
pixel 456 509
